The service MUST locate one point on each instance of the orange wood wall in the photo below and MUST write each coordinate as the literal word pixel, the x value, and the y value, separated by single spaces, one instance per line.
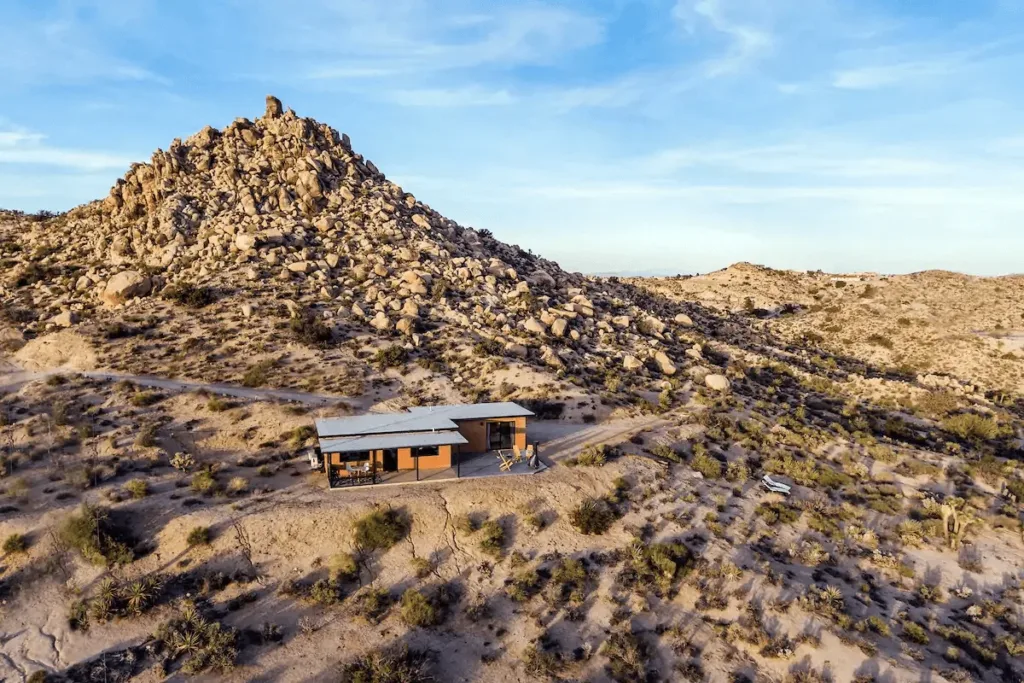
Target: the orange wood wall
pixel 475 432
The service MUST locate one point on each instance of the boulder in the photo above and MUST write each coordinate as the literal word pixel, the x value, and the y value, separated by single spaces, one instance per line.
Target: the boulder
pixel 245 241
pixel 65 319
pixel 559 326
pixel 717 382
pixel 683 319
pixel 380 321
pixel 632 363
pixel 665 363
pixel 274 108
pixel 535 326
pixel 126 285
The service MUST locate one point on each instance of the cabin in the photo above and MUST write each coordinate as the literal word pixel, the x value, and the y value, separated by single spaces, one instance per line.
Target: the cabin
pixel 370 449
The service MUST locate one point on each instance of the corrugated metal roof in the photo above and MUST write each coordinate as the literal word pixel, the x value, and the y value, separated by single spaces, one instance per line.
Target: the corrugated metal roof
pixel 381 441
pixel 382 423
pixel 474 411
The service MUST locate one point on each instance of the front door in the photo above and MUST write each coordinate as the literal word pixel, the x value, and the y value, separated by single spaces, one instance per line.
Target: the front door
pixel 390 460
pixel 500 435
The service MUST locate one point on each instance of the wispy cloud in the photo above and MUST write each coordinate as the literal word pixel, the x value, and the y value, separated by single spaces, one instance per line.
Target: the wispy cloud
pixel 22 147
pixel 888 75
pixel 455 97
pixel 745 42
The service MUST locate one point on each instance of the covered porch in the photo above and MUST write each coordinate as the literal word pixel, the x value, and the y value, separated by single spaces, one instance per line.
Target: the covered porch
pixel 466 466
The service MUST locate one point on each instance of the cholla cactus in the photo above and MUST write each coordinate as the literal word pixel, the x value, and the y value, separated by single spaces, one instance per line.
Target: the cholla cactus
pixel 183 462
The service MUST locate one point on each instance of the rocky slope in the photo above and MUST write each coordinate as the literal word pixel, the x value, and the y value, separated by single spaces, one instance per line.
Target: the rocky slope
pixel 928 323
pixel 279 218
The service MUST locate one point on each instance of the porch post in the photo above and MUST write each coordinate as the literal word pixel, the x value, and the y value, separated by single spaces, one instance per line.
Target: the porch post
pixel 458 461
pixel 417 467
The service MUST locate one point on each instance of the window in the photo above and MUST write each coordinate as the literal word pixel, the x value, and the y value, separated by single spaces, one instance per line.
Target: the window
pixel 500 435
pixel 423 451
pixel 356 456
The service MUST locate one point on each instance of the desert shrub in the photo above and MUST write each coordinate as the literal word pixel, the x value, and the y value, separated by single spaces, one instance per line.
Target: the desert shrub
pixel 323 593
pixel 593 455
pixel 880 340
pixel 144 399
pixel 237 486
pixel 372 604
pixel 971 426
pixel 258 373
pixel 396 665
pixel 627 657
pixel 737 472
pixel 91 532
pixel 310 330
pixel 15 543
pixel 115 600
pixel 592 516
pixel 534 520
pixel 493 538
pixel 343 567
pixel 774 512
pixel 914 632
pixel 664 450
pixel 216 404
pixel 204 482
pixel 542 664
pixel 146 437
pixel 393 356
pixel 199 535
pixel 417 610
pixel 523 585
pixel 137 488
pixel 568 583
pixel 204 644
pixel 380 529
pixel 709 466
pixel 937 403
pixel 188 294
pixel 657 565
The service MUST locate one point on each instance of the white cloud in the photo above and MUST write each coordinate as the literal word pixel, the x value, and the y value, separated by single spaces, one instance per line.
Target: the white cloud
pixel 450 97
pixel 21 147
pixel 747 42
pixel 875 77
pixel 813 158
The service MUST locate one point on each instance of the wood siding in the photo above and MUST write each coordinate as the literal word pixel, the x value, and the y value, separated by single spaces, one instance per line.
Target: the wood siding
pixel 475 432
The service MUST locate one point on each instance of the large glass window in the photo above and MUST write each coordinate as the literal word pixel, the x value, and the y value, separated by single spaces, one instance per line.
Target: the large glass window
pixel 500 435
pixel 423 451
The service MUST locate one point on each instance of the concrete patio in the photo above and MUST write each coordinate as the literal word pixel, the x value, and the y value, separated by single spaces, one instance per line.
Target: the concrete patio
pixel 471 467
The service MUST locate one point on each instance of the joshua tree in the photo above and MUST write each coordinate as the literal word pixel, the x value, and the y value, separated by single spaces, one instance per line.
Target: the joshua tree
pixel 956 518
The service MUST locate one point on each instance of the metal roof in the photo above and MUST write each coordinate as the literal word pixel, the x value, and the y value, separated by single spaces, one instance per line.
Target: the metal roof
pixel 381 441
pixel 474 411
pixel 382 423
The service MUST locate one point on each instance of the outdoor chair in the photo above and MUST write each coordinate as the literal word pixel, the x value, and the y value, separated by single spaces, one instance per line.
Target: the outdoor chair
pixel 517 456
pixel 774 486
pixel 506 462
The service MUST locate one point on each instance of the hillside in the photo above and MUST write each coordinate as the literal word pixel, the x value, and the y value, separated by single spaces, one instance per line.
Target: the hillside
pixel 156 530
pixel 278 226
pixel 929 323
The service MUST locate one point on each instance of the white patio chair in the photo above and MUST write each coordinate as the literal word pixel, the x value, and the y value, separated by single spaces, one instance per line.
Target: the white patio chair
pixel 775 486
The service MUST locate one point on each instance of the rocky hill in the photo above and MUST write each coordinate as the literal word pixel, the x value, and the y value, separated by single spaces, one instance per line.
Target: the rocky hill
pixel 928 323
pixel 278 228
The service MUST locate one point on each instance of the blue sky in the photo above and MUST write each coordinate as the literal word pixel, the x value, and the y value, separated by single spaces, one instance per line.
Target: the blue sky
pixel 654 136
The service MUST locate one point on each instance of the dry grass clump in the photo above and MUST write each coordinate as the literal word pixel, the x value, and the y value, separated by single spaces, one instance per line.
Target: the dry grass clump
pixel 197 536
pixel 190 295
pixel 15 543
